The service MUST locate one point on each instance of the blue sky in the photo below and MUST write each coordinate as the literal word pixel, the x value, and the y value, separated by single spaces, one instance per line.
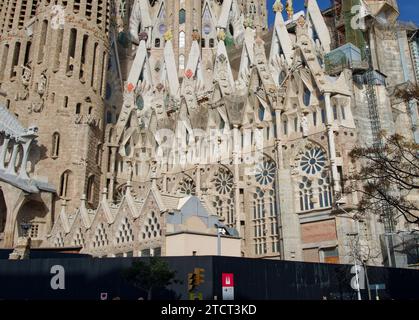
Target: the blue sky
pixel 409 9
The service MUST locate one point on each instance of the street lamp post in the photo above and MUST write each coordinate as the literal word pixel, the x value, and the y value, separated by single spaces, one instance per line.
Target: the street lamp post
pixel 358 285
pixel 386 235
pixel 218 226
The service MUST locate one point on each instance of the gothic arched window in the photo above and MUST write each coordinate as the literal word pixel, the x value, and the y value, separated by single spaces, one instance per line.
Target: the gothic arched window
pixel 91 188
pixel 325 194
pixel 223 201
pixel 187 186
pixel 265 212
pixel 55 145
pixel 182 16
pixel 306 96
pixel 65 185
pixel 314 186
pixel 306 192
pixel 261 112
pixel 182 39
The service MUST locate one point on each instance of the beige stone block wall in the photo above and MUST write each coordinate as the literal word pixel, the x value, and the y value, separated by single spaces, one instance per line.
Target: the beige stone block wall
pixel 186 244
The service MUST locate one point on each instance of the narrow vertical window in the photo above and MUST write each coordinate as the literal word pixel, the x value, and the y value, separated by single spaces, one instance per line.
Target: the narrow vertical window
pixel 71 51
pixel 182 37
pixel 44 29
pixel 27 53
pixel 83 56
pixel 92 79
pixel 58 49
pixel 181 62
pixel 102 84
pixel 64 184
pixel 109 117
pixel 261 112
pixel 4 60
pixel 99 155
pixel 182 16
pixel 91 189
pixel 285 127
pixel 55 145
pixel 306 96
pixel 342 109
pixel 15 60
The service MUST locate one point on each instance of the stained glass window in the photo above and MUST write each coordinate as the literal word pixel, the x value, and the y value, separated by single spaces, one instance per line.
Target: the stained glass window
pixel 182 16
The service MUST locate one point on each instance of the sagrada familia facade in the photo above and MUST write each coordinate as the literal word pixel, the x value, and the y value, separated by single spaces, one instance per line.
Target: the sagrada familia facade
pixel 115 113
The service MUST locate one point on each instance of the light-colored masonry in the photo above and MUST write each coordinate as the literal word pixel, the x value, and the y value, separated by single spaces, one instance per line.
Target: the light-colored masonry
pixel 113 111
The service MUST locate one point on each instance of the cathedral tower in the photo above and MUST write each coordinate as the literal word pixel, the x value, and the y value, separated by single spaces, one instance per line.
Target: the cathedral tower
pixel 256 11
pixel 54 57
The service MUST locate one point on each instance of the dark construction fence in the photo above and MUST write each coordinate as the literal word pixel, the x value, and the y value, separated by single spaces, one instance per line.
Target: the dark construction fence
pixel 254 279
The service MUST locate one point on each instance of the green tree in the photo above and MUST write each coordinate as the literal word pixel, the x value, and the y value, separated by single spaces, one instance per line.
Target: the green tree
pixel 147 276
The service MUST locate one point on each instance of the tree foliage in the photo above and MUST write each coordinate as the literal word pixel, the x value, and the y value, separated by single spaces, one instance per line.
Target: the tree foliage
pixel 388 177
pixel 147 276
pixel 410 93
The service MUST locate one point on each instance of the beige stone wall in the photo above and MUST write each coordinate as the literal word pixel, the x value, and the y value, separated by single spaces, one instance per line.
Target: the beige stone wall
pixel 185 244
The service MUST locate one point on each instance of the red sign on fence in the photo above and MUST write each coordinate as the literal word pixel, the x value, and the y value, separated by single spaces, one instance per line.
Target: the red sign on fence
pixel 228 280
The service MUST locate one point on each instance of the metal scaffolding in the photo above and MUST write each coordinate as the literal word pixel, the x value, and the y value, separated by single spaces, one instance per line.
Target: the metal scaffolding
pixel 372 101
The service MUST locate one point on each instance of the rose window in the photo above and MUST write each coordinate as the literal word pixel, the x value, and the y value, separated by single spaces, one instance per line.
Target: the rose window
pixel 187 186
pixel 313 161
pixel 224 182
pixel 265 172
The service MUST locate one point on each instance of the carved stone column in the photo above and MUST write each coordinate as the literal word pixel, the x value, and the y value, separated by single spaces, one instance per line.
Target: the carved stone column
pixel 112 171
pixel 236 159
pixel 331 143
pixel 23 174
pixel 11 165
pixel 198 180
pixel 280 166
pixel 3 152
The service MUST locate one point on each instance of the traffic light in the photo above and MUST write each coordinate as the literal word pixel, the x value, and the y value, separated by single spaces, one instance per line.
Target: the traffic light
pixel 196 278
pixel 200 277
pixel 191 281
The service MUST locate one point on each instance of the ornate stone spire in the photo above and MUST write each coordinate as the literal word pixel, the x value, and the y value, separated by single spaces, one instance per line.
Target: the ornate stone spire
pixel 289 7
